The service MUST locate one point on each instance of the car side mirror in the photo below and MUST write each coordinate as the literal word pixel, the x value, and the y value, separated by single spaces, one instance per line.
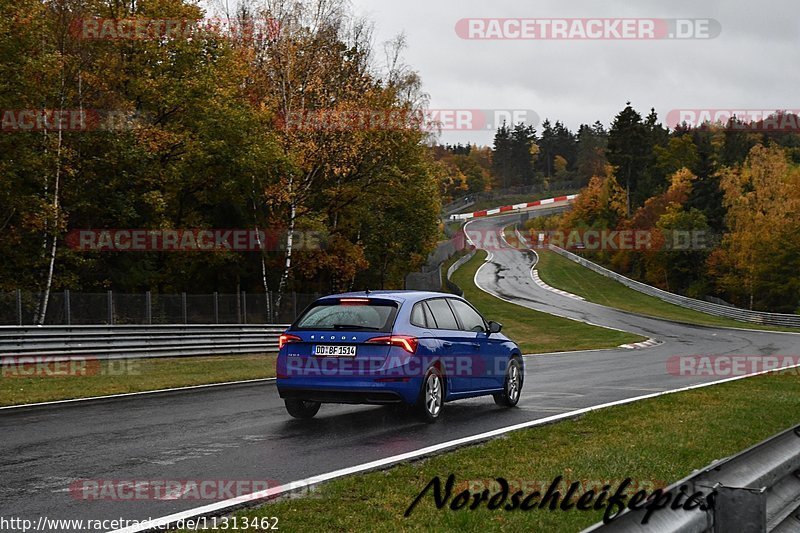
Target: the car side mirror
pixel 495 327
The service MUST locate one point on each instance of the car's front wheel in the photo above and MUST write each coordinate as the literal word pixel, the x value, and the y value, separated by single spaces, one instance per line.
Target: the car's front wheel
pixel 302 408
pixel 512 386
pixel 431 398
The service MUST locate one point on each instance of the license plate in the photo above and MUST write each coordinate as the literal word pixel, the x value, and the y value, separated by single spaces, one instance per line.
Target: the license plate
pixel 334 351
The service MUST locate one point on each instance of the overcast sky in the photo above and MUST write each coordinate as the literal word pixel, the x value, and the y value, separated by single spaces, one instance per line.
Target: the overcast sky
pixel 752 64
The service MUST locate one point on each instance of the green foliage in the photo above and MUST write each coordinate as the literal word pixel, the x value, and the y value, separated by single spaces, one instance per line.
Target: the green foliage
pixel 632 146
pixel 201 145
pixel 591 159
pixel 464 170
pixel 513 154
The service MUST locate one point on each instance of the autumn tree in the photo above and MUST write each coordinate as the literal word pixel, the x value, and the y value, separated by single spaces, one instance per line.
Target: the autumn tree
pixel 601 205
pixel 756 263
pixel 317 69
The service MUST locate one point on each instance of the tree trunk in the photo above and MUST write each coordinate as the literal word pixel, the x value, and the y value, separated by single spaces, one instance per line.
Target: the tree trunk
pixel 289 247
pixel 42 313
pixel 263 262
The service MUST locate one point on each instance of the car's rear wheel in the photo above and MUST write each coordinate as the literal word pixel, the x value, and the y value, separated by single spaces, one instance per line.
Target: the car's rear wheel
pixel 302 408
pixel 431 397
pixel 512 386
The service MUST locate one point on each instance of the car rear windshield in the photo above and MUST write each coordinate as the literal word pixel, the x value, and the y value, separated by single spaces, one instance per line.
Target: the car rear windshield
pixel 349 314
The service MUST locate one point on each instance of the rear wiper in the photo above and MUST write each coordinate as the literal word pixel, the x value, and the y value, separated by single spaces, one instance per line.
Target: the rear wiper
pixel 354 326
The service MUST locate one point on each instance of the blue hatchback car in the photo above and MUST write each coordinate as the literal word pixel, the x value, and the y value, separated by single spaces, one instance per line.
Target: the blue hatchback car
pixel 420 349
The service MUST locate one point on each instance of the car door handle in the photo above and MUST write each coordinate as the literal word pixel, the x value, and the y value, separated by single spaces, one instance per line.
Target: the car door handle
pixel 447 344
pixel 476 345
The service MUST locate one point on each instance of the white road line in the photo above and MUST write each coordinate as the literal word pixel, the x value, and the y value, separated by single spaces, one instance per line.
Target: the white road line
pixel 128 394
pixel 535 273
pixel 229 505
pixel 522 240
pixel 503 237
pixel 567 352
pixel 490 293
pixel 639 345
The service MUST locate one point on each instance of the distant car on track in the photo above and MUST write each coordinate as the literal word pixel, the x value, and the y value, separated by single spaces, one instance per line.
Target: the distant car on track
pixel 419 349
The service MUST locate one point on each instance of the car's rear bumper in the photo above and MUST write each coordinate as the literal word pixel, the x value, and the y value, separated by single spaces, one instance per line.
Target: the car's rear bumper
pixel 351 392
pixel 343 396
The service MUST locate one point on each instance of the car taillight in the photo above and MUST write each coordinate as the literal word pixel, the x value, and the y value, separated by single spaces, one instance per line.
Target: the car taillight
pixel 405 342
pixel 285 339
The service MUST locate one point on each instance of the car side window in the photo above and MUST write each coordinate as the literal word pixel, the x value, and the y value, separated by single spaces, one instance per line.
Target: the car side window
pixel 470 319
pixel 418 316
pixel 428 316
pixel 445 319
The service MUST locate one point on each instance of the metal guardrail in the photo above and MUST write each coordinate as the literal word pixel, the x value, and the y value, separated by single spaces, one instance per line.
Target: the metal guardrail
pixel 756 491
pixel 506 209
pixel 455 266
pixel 73 308
pixel 744 315
pixel 125 342
pixel 456 206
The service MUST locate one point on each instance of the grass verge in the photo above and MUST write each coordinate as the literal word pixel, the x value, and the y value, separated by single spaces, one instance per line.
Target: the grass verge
pixel 536 332
pixel 101 378
pixel 561 273
pixel 655 442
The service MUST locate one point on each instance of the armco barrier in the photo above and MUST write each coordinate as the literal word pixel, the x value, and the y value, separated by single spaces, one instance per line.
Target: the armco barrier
pixel 511 208
pixel 125 342
pixel 744 315
pixel 455 266
pixel 756 491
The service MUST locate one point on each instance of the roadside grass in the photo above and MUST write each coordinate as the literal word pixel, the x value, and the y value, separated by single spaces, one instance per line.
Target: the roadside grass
pixel 536 332
pixel 500 201
pixel 101 378
pixel 654 442
pixel 561 273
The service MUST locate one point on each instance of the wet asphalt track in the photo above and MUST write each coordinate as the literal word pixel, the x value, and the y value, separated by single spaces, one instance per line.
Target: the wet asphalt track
pixel 244 433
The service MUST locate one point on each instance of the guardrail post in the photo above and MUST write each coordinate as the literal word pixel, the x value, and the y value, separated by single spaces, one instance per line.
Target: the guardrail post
pixel 216 307
pixel 244 308
pixel 67 317
pixel 183 308
pixel 148 303
pixel 19 306
pixel 740 509
pixel 110 305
